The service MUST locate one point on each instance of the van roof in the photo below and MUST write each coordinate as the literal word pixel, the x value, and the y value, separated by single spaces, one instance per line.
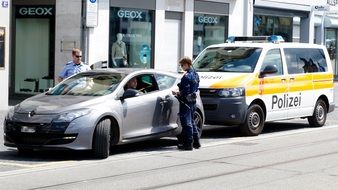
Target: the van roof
pixel 268 45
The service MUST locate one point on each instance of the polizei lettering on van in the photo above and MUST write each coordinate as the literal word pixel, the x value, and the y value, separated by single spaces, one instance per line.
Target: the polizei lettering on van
pixel 286 101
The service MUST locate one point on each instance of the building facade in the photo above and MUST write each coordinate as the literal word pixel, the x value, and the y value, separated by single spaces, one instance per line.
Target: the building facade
pixel 143 33
pixel 4 52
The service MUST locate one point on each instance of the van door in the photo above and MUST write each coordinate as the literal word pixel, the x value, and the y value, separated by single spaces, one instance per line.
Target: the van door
pixel 274 86
pixel 300 66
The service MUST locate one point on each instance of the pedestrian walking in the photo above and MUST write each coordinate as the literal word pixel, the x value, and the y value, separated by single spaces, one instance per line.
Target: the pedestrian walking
pixel 188 87
pixel 73 67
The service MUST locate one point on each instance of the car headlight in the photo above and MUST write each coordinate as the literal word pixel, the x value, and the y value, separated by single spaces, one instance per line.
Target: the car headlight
pixel 71 115
pixel 232 92
pixel 10 113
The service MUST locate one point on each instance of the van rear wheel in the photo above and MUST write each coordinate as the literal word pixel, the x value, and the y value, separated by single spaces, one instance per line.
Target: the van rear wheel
pixel 254 121
pixel 318 117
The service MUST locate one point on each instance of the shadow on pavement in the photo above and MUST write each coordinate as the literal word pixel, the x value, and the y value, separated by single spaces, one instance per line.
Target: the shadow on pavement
pixel 42 156
pixel 218 132
pixel 210 133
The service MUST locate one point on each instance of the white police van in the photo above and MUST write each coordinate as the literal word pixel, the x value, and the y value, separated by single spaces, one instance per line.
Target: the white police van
pixel 249 83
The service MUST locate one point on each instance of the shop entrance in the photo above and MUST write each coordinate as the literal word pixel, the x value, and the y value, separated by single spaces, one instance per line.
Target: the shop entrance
pixel 33 57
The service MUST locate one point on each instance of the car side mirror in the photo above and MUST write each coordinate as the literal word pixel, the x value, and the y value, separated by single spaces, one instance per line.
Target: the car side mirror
pixel 129 93
pixel 269 69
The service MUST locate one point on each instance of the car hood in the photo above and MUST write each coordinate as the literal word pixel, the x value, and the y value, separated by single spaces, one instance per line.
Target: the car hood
pixel 49 104
pixel 224 79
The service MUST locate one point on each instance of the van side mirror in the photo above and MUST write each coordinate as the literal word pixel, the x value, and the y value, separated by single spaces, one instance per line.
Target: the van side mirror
pixel 269 69
pixel 129 93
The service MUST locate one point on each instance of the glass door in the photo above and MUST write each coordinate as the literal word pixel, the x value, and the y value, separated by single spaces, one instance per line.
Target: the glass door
pixel 32 38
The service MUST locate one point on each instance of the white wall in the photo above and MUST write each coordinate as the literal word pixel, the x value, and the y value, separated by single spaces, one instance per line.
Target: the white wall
pixel 240 17
pixel 67 30
pixel 4 22
pixel 98 47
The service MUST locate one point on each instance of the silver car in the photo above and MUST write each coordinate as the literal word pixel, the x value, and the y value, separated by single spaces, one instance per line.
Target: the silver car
pixel 95 110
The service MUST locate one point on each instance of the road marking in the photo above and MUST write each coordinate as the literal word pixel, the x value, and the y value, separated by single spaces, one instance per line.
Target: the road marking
pixel 34 165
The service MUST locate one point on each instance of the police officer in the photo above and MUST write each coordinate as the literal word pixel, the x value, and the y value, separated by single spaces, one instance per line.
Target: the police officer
pixel 73 67
pixel 188 87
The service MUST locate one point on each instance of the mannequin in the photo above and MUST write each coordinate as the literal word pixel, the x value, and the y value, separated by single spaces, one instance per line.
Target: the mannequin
pixel 198 46
pixel 119 52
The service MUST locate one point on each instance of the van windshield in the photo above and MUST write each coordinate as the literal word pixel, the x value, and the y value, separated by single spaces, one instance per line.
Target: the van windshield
pixel 228 59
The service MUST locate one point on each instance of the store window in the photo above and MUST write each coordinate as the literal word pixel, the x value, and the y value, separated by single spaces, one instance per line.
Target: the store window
pixel 273 25
pixel 131 37
pixel 208 29
pixel 331 45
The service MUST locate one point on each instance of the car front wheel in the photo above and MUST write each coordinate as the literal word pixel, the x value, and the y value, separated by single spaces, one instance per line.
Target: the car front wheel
pixel 101 141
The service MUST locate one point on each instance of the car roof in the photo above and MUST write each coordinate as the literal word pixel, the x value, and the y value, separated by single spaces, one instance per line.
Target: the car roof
pixel 127 71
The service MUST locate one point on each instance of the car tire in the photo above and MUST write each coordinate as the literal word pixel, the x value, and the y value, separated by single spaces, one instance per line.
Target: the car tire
pixel 318 117
pixel 101 141
pixel 254 121
pixel 198 122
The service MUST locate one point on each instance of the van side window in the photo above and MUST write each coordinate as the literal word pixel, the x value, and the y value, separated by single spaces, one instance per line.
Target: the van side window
pixel 273 57
pixel 305 60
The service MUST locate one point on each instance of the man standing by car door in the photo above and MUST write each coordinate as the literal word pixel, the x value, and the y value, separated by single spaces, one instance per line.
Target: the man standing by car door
pixel 188 87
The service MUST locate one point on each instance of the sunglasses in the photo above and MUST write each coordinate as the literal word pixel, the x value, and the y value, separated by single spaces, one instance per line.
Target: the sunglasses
pixel 78 56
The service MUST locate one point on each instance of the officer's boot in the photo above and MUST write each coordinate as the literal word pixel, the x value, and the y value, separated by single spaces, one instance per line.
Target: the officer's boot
pixel 196 144
pixel 185 145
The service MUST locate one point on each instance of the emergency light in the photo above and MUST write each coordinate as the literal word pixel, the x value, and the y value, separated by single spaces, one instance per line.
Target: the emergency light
pixel 272 39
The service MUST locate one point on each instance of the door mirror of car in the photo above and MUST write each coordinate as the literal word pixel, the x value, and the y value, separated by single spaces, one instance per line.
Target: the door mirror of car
pixel 269 69
pixel 129 93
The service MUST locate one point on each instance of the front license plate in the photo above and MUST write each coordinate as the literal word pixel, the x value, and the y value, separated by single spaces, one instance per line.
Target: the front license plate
pixel 26 129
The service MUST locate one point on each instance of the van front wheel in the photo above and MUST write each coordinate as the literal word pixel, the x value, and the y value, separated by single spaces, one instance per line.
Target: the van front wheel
pixel 318 117
pixel 254 121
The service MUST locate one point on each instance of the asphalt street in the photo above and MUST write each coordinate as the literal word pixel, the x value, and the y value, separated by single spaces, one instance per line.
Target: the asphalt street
pixel 287 155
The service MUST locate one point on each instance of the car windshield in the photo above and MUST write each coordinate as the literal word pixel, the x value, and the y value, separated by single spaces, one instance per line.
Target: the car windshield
pixel 228 59
pixel 88 84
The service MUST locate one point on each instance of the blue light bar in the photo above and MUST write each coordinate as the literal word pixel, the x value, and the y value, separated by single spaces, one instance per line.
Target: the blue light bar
pixel 272 38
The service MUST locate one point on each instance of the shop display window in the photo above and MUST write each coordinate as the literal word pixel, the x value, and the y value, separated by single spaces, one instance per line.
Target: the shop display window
pixel 208 29
pixel 273 25
pixel 131 37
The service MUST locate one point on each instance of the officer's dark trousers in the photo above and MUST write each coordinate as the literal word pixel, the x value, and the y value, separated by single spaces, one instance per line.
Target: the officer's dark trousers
pixel 189 129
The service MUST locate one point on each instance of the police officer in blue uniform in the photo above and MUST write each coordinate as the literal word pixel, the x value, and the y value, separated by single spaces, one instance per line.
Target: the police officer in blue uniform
pixel 73 67
pixel 188 87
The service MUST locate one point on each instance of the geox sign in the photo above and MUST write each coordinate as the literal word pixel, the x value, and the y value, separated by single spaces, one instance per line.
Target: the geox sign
pixel 35 11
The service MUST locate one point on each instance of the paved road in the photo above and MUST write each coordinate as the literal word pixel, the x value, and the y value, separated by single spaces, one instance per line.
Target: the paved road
pixel 288 155
pixel 295 159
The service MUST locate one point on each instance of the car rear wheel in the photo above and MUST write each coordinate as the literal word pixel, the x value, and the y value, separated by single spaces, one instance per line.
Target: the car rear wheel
pixel 198 122
pixel 101 141
pixel 318 117
pixel 254 121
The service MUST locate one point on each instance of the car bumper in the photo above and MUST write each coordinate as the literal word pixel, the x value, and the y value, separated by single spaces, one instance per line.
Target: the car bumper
pixel 224 111
pixel 77 135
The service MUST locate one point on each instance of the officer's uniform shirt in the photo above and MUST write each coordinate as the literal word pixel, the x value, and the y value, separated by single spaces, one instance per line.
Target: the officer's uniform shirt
pixel 72 68
pixel 189 83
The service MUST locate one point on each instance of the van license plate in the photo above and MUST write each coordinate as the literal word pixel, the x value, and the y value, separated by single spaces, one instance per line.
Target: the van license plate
pixel 26 129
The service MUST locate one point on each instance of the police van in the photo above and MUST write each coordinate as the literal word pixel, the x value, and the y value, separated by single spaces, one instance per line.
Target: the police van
pixel 250 83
